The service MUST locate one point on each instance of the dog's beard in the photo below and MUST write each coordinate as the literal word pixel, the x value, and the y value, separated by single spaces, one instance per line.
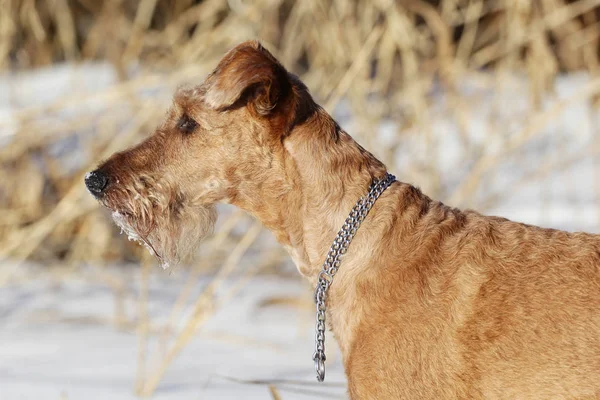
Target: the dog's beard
pixel 173 234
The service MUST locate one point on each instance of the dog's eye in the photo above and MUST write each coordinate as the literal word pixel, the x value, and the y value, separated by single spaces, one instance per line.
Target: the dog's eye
pixel 186 124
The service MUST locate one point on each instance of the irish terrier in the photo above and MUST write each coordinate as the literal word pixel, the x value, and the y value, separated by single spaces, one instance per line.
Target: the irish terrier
pixel 430 302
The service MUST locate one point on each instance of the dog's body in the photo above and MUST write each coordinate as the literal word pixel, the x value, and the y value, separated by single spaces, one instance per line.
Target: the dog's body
pixel 430 302
pixel 453 304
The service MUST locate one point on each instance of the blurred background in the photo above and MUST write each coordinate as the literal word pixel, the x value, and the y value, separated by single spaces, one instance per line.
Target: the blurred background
pixel 484 104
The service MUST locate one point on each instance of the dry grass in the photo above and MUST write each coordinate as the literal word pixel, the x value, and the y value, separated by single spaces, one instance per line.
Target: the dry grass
pixel 384 60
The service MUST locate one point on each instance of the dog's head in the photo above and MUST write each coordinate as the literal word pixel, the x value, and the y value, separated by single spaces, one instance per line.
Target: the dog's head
pixel 217 138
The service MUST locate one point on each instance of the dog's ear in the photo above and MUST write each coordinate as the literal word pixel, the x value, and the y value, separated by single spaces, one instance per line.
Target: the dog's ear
pixel 248 73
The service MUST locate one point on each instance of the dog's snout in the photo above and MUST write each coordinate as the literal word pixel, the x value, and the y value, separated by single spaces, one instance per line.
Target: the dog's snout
pixel 96 182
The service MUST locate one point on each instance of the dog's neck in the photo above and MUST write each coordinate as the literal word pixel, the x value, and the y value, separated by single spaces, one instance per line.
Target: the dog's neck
pixel 324 173
pixel 321 172
pixel 333 172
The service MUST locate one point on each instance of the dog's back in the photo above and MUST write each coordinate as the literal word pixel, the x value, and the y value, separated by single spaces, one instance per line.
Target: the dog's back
pixel 480 307
pixel 534 324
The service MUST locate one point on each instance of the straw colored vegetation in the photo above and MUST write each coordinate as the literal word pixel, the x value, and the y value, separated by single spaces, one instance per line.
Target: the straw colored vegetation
pixel 381 61
pixel 384 59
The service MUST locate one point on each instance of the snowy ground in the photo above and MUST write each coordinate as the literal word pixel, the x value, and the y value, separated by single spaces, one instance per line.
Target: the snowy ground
pixel 59 342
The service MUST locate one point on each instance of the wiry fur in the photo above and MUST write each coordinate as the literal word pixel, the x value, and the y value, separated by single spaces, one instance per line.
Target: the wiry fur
pixel 158 214
pixel 430 302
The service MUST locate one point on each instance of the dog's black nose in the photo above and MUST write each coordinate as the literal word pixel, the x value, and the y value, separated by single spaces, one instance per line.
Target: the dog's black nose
pixel 96 182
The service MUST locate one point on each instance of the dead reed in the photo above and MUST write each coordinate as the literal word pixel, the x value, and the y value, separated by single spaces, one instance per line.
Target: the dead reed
pixel 383 59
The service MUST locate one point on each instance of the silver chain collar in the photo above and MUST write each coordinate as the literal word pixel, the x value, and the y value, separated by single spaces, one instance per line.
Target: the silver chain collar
pixel 332 263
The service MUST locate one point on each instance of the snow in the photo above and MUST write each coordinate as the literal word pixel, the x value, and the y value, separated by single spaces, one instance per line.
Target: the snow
pixel 58 341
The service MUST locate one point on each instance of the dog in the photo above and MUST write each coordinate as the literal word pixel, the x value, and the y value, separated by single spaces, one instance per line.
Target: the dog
pixel 430 302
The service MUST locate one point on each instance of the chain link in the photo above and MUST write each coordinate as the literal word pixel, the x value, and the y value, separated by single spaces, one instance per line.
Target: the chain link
pixel 332 263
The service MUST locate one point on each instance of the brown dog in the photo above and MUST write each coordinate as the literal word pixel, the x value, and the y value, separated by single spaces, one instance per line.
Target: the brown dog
pixel 430 302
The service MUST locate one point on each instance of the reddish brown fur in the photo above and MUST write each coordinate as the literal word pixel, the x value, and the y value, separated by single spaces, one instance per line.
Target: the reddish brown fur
pixel 430 302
